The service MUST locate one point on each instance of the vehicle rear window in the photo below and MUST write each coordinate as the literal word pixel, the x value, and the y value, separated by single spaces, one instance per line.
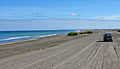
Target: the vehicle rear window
pixel 107 34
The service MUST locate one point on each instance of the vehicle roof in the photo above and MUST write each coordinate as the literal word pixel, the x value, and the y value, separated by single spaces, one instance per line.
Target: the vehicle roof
pixel 108 33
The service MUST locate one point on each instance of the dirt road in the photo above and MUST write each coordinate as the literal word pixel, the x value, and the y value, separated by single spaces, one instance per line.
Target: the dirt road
pixel 86 53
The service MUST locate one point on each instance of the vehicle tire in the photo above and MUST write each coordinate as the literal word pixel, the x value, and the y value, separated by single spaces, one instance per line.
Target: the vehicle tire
pixel 103 40
pixel 111 40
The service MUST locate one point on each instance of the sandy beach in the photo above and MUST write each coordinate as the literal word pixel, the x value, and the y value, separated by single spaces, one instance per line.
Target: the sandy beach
pixel 29 45
pixel 63 52
pixel 60 34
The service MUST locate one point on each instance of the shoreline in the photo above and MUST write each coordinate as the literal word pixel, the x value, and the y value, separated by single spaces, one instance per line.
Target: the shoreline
pixel 34 38
pixel 39 37
pixel 34 44
pixel 22 38
pixel 10 36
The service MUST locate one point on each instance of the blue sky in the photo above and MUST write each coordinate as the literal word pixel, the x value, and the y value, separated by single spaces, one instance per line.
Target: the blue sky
pixel 12 12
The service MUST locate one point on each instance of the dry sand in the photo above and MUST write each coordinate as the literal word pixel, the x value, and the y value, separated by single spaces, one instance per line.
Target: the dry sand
pixel 77 53
pixel 24 46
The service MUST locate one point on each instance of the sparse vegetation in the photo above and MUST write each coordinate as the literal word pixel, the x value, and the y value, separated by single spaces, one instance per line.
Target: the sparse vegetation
pixel 118 30
pixel 113 30
pixel 86 32
pixel 81 33
pixel 77 33
pixel 72 33
pixel 89 32
pixel 30 49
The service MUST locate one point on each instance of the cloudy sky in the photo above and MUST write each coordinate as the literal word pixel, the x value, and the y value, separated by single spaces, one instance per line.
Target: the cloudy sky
pixel 59 14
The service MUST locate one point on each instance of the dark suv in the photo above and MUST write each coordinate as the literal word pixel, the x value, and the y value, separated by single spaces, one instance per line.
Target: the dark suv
pixel 108 37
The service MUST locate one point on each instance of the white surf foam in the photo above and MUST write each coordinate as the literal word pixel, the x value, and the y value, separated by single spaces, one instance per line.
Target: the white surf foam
pixel 14 38
pixel 47 35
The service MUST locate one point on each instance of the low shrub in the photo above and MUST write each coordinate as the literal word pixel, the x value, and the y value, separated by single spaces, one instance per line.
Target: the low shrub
pixel 76 33
pixel 118 30
pixel 113 30
pixel 81 33
pixel 72 33
pixel 86 32
pixel 89 32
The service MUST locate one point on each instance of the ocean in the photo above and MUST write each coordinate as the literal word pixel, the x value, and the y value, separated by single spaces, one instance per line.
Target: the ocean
pixel 9 36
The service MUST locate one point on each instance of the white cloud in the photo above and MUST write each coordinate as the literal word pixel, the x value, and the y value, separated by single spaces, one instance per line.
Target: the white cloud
pixel 37 14
pixel 74 14
pixel 107 17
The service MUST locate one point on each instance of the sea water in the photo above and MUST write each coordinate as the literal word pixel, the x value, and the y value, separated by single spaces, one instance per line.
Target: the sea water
pixel 8 36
